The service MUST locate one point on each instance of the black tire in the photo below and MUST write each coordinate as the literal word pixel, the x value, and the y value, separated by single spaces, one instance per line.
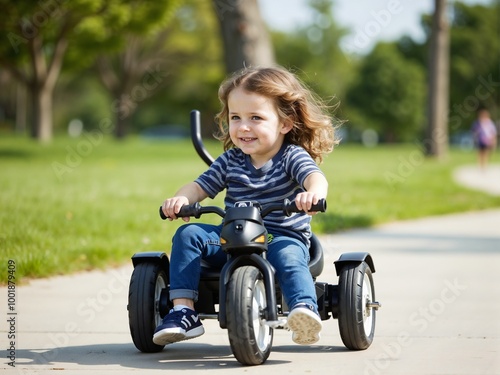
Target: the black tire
pixel 146 284
pixel 250 339
pixel 356 316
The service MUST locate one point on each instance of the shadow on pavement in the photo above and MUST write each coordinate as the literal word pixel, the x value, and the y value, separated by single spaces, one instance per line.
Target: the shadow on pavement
pixel 179 357
pixel 309 349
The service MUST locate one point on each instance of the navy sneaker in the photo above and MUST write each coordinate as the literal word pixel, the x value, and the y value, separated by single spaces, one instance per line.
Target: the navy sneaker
pixel 305 323
pixel 177 326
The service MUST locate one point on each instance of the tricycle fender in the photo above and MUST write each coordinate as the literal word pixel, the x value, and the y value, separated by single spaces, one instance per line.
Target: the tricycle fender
pixel 355 257
pixel 152 257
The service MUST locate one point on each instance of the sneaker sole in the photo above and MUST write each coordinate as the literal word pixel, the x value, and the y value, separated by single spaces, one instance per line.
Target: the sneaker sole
pixel 171 335
pixel 305 327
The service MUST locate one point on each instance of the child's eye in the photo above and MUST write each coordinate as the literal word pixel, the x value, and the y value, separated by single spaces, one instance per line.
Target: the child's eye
pixel 234 117
pixel 255 118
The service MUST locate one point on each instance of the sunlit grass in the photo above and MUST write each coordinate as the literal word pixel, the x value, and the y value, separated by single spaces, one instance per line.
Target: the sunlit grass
pixel 74 205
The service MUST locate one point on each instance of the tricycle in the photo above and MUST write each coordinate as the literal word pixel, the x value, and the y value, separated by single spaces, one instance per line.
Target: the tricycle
pixel 244 296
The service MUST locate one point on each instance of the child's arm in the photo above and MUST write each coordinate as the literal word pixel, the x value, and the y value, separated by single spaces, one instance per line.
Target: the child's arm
pixel 188 194
pixel 316 188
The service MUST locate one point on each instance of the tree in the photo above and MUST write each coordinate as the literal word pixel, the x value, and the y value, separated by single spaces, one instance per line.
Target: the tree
pixel 474 62
pixel 436 142
pixel 389 94
pixel 37 37
pixel 314 51
pixel 39 34
pixel 184 67
pixel 244 34
pixel 134 72
pixel 327 64
pixel 192 70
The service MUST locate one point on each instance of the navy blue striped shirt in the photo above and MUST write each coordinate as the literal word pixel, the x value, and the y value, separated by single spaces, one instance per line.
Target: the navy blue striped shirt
pixel 281 177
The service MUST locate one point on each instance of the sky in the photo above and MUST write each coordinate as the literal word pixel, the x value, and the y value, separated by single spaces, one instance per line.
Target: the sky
pixel 369 21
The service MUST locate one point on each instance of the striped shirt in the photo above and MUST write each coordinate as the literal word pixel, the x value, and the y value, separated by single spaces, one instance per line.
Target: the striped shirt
pixel 281 177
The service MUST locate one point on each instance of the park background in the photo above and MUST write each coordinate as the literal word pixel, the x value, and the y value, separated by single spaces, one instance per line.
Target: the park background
pixel 95 100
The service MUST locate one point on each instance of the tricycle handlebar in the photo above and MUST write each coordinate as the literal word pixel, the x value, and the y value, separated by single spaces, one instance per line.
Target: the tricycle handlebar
pixel 196 210
pixel 289 208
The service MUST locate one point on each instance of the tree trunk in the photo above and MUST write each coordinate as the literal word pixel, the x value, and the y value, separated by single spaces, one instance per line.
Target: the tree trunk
pixel 436 143
pixel 21 108
pixel 122 115
pixel 244 34
pixel 41 121
pixel 131 78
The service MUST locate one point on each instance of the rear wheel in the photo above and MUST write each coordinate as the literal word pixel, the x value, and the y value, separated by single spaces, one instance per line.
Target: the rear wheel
pixel 250 338
pixel 357 306
pixel 146 285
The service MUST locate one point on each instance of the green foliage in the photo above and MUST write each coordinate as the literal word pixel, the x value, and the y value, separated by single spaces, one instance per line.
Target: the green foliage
pixel 40 34
pixel 77 20
pixel 192 66
pixel 83 98
pixel 389 95
pixel 314 52
pixel 91 202
pixel 106 31
pixel 475 58
pixel 195 69
pixel 186 75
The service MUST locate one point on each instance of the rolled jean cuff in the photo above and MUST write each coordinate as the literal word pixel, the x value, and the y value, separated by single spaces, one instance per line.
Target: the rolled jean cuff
pixel 184 293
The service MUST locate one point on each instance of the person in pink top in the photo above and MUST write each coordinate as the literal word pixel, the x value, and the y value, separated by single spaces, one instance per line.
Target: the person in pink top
pixel 484 132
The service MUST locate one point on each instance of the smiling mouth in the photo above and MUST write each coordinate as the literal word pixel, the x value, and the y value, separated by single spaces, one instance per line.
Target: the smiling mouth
pixel 248 139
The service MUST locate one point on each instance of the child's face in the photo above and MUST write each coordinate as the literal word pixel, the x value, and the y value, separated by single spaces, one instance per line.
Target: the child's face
pixel 483 114
pixel 254 125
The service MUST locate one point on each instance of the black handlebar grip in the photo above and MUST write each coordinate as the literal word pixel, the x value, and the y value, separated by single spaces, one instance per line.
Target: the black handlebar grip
pixel 319 207
pixel 193 210
pixel 291 207
pixel 162 215
pixel 190 210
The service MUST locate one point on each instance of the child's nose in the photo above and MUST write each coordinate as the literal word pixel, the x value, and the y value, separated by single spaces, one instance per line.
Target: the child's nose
pixel 244 126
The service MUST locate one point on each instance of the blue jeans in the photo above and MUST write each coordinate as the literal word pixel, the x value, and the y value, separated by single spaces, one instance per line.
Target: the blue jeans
pixel 193 242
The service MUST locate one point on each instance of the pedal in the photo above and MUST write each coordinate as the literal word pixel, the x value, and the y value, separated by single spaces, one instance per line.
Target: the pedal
pixel 280 323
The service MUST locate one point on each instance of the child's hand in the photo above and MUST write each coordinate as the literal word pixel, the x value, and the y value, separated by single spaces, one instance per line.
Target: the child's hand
pixel 304 201
pixel 172 206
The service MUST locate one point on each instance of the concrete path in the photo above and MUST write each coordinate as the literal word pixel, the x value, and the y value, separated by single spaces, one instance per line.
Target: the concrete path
pixel 437 279
pixel 487 180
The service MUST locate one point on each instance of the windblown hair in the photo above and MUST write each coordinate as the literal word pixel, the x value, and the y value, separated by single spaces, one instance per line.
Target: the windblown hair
pixel 313 127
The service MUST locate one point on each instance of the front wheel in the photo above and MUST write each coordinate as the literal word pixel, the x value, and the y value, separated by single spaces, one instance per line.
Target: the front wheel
pixel 250 338
pixel 357 306
pixel 146 286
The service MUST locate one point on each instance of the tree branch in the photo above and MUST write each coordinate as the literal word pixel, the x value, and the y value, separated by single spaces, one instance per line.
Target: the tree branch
pixel 16 72
pixel 55 65
pixel 107 74
pixel 35 48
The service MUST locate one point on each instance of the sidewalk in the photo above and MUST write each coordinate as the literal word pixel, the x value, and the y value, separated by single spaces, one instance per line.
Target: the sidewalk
pixel 473 177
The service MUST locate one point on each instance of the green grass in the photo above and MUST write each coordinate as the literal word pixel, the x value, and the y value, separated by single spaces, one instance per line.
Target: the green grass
pixel 76 205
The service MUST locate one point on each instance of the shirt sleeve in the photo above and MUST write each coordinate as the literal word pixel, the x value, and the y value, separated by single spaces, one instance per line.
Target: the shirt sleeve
pixel 300 164
pixel 213 180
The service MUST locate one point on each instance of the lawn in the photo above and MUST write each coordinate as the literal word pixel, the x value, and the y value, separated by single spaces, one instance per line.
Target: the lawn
pixel 90 203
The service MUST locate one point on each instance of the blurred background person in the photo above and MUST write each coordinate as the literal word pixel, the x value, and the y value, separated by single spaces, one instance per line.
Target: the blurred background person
pixel 484 132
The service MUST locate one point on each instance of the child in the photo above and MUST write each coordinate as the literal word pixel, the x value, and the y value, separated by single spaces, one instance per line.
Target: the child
pixel 485 136
pixel 273 130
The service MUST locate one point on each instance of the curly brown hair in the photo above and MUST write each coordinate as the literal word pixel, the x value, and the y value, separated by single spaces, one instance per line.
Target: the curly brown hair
pixel 313 127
